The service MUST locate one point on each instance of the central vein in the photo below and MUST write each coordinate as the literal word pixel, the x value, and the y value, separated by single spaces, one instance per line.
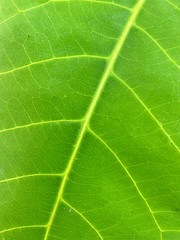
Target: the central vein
pixel 92 106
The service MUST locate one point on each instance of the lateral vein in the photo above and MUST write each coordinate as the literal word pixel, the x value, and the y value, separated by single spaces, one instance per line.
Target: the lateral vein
pixel 159 46
pixel 80 214
pixel 52 59
pixel 22 227
pixel 108 3
pixel 173 230
pixel 92 106
pixel 172 4
pixel 32 175
pixel 40 123
pixel 147 109
pixel 45 3
pixel 129 175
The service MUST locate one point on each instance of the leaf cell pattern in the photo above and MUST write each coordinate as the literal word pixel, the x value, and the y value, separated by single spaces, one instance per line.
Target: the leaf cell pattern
pixel 89 124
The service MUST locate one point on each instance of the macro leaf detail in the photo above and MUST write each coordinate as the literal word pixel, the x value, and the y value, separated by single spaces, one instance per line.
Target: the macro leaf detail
pixel 89 124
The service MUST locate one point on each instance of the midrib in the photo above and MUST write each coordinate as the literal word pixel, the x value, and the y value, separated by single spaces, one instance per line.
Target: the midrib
pixel 92 106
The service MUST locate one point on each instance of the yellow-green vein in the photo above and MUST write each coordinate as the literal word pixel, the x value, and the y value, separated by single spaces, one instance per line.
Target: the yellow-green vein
pixel 45 3
pixel 81 215
pixel 172 4
pixel 147 109
pixel 131 178
pixel 159 46
pixel 22 227
pixel 52 59
pixel 31 176
pixel 92 106
pixel 40 123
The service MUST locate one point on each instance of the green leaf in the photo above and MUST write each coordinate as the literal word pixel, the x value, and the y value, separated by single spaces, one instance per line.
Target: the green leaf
pixel 89 109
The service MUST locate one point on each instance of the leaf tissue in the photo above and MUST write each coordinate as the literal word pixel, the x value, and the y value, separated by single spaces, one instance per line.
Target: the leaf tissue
pixel 89 120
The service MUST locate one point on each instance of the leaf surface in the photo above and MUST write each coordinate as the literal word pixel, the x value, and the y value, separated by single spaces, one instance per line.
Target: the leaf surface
pixel 89 130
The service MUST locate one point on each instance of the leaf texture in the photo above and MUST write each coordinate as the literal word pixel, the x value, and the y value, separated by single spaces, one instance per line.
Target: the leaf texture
pixel 89 130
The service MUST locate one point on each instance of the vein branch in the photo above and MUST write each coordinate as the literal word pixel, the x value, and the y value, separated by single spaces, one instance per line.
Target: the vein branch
pixel 172 4
pixel 22 227
pixel 50 1
pixel 148 110
pixel 108 3
pixel 92 106
pixel 53 59
pixel 32 175
pixel 159 46
pixel 81 215
pixel 39 123
pixel 129 175
pixel 173 230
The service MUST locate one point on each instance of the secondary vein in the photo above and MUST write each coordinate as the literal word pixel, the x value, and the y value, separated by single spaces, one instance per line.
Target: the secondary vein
pixel 109 3
pixel 51 1
pixel 159 46
pixel 32 175
pixel 92 106
pixel 85 219
pixel 149 111
pixel 131 178
pixel 52 59
pixel 39 123
pixel 172 4
pixel 22 227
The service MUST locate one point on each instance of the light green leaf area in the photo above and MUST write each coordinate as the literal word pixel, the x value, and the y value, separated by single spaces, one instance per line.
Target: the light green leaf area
pixel 89 120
